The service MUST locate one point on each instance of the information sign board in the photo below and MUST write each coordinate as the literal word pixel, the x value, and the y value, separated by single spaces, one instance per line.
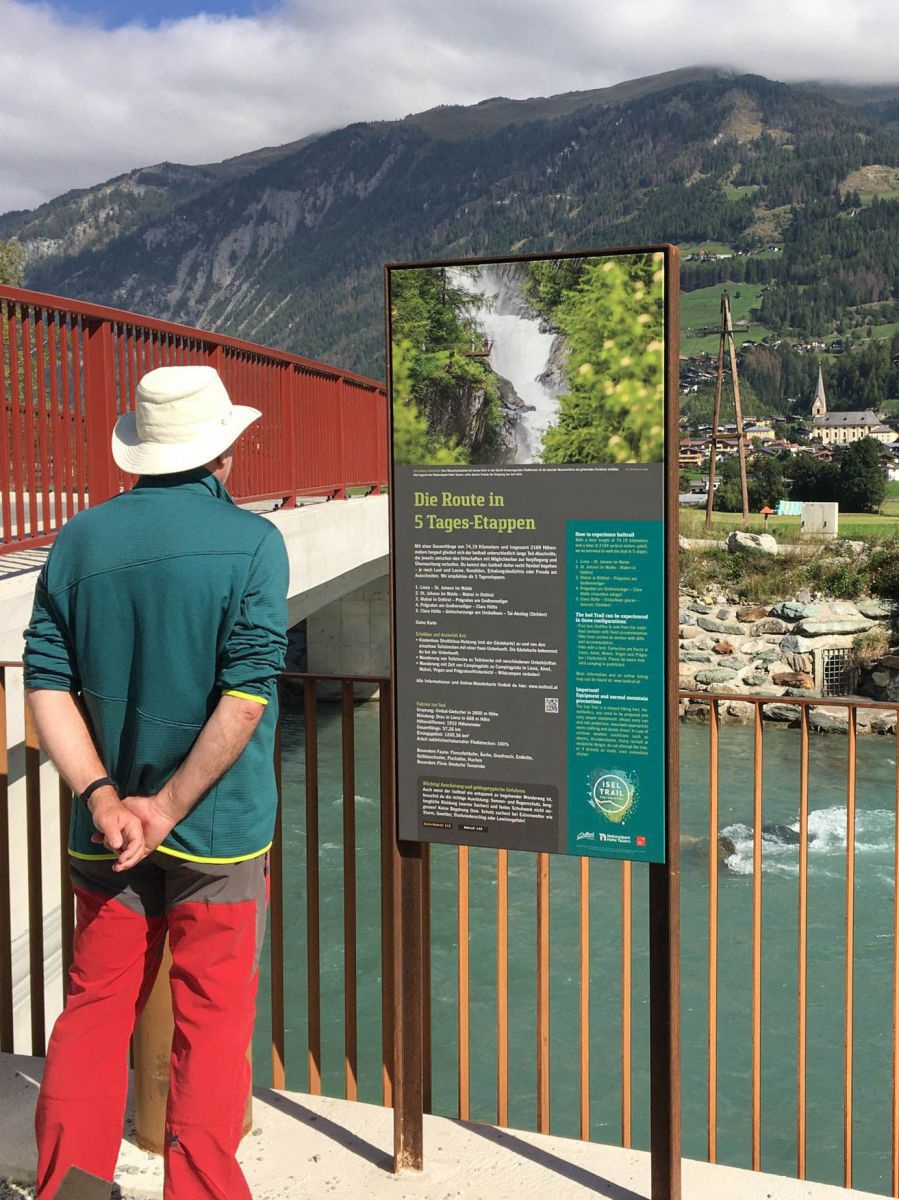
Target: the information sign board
pixel 533 468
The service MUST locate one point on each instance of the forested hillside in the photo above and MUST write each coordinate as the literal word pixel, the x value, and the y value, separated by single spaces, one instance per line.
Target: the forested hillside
pixel 784 191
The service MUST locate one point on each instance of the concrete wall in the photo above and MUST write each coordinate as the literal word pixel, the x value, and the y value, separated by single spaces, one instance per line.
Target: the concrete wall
pixel 351 636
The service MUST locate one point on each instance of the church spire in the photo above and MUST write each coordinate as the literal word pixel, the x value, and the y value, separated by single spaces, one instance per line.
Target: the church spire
pixel 819 404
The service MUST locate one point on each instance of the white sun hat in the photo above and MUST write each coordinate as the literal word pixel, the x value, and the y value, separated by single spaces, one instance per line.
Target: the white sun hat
pixel 183 418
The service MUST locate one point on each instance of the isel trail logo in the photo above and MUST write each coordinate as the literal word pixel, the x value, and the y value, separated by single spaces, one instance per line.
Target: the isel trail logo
pixel 613 793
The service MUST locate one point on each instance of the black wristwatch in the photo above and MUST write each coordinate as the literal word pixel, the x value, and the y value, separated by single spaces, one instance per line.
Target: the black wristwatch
pixel 92 787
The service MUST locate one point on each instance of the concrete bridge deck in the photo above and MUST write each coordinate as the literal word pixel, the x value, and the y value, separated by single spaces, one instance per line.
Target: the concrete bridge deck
pixel 311 1147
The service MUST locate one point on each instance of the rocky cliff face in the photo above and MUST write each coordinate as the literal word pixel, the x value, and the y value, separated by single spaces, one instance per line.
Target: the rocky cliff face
pixel 462 415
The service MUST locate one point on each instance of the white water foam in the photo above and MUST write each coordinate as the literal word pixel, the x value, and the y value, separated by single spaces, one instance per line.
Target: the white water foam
pixel 827 830
pixel 521 353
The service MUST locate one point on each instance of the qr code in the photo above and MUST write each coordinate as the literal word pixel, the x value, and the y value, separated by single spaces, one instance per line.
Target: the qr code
pixel 551 704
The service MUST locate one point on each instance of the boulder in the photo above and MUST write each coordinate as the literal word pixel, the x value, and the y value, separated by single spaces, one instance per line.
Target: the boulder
pixel 699 607
pixel 767 656
pixel 723 648
pixel 875 608
pixel 713 625
pixel 754 679
pixel 738 539
pixel 703 641
pixel 781 712
pixel 824 720
pixel 803 596
pixel 794 644
pixel 741 710
pixel 754 646
pixel 800 662
pixel 828 610
pixel 768 625
pixel 890 661
pixel 690 631
pixel 752 612
pixel 788 610
pixel 792 679
pixel 703 656
pixel 716 675
pixel 682 542
pixel 686 618
pixel 884 722
pixel 811 627
pixel 846 547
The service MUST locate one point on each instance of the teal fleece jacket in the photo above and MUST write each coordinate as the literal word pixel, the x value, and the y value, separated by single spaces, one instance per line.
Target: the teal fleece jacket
pixel 150 607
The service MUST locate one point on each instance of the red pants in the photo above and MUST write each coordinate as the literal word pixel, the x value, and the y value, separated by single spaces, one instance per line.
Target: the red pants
pixel 215 917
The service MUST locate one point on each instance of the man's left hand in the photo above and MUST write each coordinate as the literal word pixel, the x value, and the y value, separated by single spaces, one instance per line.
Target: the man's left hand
pixel 156 822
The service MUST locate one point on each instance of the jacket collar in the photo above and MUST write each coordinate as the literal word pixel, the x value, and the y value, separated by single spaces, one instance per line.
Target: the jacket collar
pixel 197 480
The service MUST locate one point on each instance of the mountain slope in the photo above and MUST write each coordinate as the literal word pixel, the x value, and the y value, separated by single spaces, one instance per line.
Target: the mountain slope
pixel 288 249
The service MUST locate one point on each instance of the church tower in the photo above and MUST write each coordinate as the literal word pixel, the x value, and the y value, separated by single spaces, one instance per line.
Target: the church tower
pixel 819 404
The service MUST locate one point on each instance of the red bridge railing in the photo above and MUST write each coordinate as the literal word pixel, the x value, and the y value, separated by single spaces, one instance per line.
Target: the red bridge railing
pixel 68 370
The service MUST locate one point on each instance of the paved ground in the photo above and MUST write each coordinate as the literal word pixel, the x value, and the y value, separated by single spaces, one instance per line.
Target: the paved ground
pixel 311 1148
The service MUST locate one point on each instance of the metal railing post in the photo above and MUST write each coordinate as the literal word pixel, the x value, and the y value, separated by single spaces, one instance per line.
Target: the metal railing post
pixel 99 410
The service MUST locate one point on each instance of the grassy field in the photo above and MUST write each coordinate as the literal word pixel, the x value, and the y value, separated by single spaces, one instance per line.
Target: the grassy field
pixel 786 529
pixel 701 309
pixel 704 248
pixel 737 193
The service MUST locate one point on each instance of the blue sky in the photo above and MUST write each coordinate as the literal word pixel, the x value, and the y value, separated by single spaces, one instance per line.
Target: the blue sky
pixel 114 13
pixel 95 88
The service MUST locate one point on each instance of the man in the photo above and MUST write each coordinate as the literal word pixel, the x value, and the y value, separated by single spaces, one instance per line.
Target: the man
pixel 152 657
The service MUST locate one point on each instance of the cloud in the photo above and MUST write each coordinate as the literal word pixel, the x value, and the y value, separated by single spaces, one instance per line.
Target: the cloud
pixel 81 103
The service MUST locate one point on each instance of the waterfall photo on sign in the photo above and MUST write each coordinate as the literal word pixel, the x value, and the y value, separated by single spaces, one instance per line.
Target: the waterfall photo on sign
pixel 556 360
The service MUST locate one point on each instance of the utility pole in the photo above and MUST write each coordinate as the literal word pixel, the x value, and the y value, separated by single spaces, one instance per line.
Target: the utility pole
pixel 727 337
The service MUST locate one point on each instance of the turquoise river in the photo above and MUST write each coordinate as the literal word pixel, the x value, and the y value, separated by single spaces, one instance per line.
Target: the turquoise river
pixel 826 942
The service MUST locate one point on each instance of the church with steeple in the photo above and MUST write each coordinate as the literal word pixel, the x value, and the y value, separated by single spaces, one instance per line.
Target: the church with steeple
pixel 819 404
pixel 841 428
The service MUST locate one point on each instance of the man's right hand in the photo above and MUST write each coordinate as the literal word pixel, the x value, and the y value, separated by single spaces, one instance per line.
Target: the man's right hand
pixel 119 829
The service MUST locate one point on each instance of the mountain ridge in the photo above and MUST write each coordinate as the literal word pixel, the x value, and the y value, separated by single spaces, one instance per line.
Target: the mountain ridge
pixel 285 245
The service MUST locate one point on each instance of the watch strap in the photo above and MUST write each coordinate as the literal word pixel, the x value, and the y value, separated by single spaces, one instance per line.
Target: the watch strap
pixel 105 781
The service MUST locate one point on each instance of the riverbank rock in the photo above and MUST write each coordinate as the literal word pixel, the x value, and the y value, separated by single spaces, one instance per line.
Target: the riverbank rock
pixel 822 720
pixel 877 609
pixel 782 712
pixel 752 612
pixel 716 675
pixel 810 627
pixel 714 625
pixel 768 625
pixel 788 610
pixel 738 539
pixel 793 679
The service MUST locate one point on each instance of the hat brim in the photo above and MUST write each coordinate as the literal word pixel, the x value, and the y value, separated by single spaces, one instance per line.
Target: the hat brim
pixel 139 457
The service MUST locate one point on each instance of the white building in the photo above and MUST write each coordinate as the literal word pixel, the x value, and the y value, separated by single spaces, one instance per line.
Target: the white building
pixel 841 428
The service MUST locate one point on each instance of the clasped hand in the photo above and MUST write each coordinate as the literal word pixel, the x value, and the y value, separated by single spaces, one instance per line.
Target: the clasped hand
pixel 131 827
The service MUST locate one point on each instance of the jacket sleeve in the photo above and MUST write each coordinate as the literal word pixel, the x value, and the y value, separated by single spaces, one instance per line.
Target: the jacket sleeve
pixel 49 658
pixel 253 655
